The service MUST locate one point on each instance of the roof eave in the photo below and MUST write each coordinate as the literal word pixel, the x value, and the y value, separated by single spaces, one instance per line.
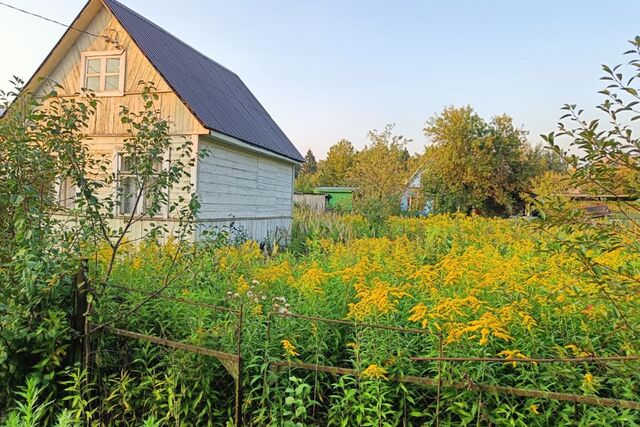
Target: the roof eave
pixel 230 140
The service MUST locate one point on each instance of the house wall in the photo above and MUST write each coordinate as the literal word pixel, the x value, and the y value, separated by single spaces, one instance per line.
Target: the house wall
pixel 251 190
pixel 138 68
pixel 105 131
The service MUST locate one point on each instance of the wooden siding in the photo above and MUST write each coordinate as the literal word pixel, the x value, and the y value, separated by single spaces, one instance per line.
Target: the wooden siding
pixel 137 68
pixel 251 190
pixel 108 148
pixel 315 202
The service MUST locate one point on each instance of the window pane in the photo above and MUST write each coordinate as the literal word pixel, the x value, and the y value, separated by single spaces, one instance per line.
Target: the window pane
pixel 93 66
pixel 128 194
pixel 126 165
pixel 112 83
pixel 113 65
pixel 67 196
pixel 149 192
pixel 92 83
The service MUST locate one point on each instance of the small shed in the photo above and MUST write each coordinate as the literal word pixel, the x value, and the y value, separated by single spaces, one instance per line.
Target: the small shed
pixel 315 202
pixel 339 197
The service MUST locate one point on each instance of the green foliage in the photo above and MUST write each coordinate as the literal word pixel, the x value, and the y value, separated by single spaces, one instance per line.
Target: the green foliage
pixel 297 403
pixel 502 263
pixel 310 164
pixel 42 241
pixel 475 164
pixel 38 255
pixel 305 183
pixel 379 174
pixel 604 164
pixel 335 169
pixel 29 412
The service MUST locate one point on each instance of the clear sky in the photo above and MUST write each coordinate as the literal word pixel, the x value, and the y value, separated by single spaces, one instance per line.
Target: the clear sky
pixel 335 69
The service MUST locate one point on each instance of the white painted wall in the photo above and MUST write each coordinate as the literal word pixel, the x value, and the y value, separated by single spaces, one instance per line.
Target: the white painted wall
pixel 247 188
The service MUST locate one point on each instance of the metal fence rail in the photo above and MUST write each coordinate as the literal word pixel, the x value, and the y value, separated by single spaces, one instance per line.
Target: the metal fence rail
pixel 233 362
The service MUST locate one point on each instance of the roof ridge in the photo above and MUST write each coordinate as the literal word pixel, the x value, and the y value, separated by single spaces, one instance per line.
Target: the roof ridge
pixel 169 34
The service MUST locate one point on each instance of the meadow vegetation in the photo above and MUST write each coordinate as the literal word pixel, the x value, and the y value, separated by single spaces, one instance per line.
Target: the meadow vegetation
pixel 479 287
pixel 561 286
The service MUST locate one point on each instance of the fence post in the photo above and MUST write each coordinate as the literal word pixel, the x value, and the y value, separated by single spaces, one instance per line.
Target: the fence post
pixel 78 316
pixel 239 397
pixel 439 392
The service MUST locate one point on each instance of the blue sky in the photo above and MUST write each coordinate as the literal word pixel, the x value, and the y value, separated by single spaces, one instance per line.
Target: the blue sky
pixel 327 70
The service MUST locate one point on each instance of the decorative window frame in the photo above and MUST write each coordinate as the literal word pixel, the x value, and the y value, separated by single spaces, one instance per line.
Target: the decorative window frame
pixel 102 54
pixel 163 213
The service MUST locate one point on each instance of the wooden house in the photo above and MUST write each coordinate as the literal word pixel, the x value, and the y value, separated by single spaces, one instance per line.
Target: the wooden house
pixel 410 200
pixel 247 178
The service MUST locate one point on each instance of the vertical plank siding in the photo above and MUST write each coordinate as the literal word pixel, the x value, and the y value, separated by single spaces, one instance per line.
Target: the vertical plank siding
pixel 137 68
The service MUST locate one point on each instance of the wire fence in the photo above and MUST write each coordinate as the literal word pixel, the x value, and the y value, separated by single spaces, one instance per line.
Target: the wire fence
pixel 425 379
pixel 226 365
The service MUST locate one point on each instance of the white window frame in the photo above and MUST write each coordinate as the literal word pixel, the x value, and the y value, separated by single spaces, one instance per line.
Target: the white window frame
pixel 164 210
pixel 103 55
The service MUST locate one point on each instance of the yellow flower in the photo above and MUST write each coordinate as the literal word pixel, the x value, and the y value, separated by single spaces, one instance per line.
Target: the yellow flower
pixel 353 345
pixel 242 286
pixel 374 372
pixel 311 281
pixel 588 379
pixel 512 355
pixel 534 408
pixel 289 348
pixel 577 351
pixel 419 314
pixel 378 297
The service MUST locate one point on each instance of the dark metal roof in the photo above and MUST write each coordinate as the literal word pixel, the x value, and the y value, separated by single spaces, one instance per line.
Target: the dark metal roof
pixel 215 95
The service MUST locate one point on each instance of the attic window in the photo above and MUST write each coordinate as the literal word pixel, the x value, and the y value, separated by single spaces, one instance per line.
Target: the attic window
pixel 103 72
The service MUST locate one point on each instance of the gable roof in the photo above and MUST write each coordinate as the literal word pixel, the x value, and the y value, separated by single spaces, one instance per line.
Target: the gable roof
pixel 215 95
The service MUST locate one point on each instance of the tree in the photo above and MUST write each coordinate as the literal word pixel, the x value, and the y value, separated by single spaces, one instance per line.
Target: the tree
pixel 42 141
pixel 334 170
pixel 605 161
pixel 310 165
pixel 379 172
pixel 473 163
pixel 306 177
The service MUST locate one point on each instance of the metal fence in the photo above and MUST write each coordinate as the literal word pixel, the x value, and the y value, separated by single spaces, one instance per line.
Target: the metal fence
pixel 278 326
pixel 230 362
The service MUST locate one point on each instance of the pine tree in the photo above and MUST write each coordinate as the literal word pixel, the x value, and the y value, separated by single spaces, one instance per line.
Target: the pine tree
pixel 311 165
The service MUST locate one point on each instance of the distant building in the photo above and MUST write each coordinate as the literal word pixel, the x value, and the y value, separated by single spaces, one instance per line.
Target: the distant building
pixel 339 197
pixel 410 195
